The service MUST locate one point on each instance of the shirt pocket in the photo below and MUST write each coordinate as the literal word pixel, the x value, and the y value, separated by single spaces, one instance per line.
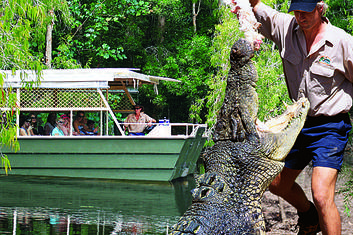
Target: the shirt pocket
pixel 322 69
pixel 321 78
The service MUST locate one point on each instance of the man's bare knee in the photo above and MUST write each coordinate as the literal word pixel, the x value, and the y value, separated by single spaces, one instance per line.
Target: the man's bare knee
pixel 279 187
pixel 323 200
pixel 323 186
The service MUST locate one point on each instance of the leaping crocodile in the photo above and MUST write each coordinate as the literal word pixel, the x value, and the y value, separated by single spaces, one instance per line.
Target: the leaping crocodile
pixel 245 158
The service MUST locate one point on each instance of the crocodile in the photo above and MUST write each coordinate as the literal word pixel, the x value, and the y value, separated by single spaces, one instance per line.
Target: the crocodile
pixel 245 158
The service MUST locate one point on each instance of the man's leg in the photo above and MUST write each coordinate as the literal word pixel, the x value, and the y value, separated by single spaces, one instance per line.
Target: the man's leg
pixel 284 185
pixel 323 189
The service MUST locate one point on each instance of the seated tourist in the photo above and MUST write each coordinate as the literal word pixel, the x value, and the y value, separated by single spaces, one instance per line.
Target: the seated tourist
pixel 37 129
pixel 50 124
pixel 26 128
pixel 140 118
pixel 67 123
pixel 3 121
pixel 60 129
pixel 92 130
pixel 80 124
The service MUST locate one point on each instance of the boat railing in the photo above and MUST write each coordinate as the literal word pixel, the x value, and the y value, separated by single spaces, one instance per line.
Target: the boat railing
pixel 171 129
pixel 158 130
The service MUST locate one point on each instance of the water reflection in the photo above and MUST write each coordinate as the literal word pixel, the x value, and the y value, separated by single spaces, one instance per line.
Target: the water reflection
pixel 38 205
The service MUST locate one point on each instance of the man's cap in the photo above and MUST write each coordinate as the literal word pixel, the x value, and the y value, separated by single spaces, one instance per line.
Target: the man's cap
pixel 137 106
pixel 303 5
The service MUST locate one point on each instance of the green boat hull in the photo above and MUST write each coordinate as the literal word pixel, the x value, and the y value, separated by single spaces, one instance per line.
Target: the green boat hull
pixel 108 157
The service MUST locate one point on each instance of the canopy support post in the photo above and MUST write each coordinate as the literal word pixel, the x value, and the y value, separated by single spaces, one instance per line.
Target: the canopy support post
pixel 111 112
pixel 18 103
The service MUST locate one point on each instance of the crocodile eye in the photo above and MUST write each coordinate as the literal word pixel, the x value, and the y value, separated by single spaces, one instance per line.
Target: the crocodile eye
pixel 205 192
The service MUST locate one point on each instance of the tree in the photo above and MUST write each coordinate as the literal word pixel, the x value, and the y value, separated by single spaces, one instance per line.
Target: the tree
pixel 52 6
pixel 340 13
pixel 271 86
pixel 93 38
pixel 196 7
pixel 192 67
pixel 182 55
pixel 22 30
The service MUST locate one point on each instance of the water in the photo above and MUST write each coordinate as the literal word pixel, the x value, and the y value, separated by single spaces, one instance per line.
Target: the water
pixel 39 205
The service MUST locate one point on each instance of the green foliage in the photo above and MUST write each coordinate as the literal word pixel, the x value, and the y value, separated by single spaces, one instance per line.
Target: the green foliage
pixel 18 26
pixel 177 17
pixel 22 42
pixel 114 99
pixel 92 35
pixel 340 13
pixel 23 32
pixel 64 56
pixel 226 34
pixel 271 86
pixel 174 51
pixel 191 66
pixel 346 189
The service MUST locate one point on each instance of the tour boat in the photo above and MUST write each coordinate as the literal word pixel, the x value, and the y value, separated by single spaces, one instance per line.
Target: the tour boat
pixel 169 151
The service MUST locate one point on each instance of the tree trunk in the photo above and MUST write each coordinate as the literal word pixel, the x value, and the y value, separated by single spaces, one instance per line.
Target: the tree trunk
pixel 49 39
pixel 195 12
pixel 161 22
pixel 194 16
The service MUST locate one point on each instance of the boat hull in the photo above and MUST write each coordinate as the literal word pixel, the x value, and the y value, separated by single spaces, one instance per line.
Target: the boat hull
pixel 108 157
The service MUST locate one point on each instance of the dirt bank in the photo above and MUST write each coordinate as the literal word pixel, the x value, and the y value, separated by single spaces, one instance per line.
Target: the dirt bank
pixel 273 213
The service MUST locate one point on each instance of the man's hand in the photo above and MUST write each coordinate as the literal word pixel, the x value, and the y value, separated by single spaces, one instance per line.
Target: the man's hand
pixel 247 21
pixel 253 3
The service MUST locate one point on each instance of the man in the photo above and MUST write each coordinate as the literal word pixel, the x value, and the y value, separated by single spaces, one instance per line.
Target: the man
pixel 140 118
pixel 318 63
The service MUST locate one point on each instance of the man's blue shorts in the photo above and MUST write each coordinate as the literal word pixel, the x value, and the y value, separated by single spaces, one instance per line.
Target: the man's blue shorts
pixel 322 140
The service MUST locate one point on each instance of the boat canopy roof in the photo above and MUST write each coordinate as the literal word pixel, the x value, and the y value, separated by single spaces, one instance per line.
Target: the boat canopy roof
pixel 103 78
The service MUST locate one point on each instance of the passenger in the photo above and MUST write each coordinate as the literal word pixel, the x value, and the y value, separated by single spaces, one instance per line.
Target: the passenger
pixel 37 129
pixel 92 129
pixel 78 123
pixel 26 128
pixel 85 130
pixel 66 124
pixel 80 126
pixel 138 117
pixel 3 120
pixel 60 129
pixel 51 123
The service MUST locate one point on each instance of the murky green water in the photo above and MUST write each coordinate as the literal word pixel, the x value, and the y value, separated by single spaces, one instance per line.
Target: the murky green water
pixel 38 205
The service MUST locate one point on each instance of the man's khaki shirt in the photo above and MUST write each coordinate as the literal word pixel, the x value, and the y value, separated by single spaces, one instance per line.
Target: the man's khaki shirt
pixel 140 123
pixel 324 75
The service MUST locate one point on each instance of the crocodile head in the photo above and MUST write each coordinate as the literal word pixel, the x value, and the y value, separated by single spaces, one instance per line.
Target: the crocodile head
pixel 278 134
pixel 257 161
